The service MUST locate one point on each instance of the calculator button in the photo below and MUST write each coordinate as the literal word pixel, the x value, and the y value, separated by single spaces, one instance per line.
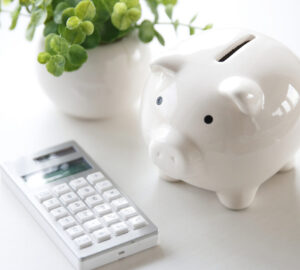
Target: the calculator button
pixel 119 228
pixel 137 222
pixel 95 177
pixel 102 209
pixel 103 185
pixel 86 191
pixel 102 235
pixel 92 225
pixel 128 212
pixel 44 195
pixel 111 194
pixel 75 231
pixel 85 216
pixel 68 198
pixel 94 200
pixel 51 204
pixel 119 203
pixel 61 189
pixel 78 183
pixel 59 212
pixel 76 207
pixel 83 241
pixel 67 222
pixel 111 219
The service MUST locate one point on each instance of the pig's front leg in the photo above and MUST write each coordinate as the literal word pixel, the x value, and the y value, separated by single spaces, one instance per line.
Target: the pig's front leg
pixel 288 166
pixel 237 199
pixel 165 177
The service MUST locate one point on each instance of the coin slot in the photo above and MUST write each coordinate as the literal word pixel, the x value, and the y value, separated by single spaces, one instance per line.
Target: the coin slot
pixel 231 51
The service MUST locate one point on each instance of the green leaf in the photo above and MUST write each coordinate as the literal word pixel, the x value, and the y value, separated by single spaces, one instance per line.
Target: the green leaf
pixel 131 3
pixel 58 12
pixel 193 18
pixel 119 17
pixel 169 11
pixel 85 10
pixel 56 65
pixel 192 30
pixel 70 67
pixel 59 45
pixel 77 55
pixel 73 22
pixel 44 57
pixel 76 36
pixel 87 27
pixel 50 27
pixel 134 14
pixel 153 7
pixel 104 9
pixel 15 16
pixel 125 13
pixel 109 33
pixel 47 44
pixel 92 41
pixel 160 38
pixel 38 16
pixel 67 13
pixel 208 26
pixel 146 31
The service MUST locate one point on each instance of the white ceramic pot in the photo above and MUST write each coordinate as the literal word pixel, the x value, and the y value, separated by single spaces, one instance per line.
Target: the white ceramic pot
pixel 109 83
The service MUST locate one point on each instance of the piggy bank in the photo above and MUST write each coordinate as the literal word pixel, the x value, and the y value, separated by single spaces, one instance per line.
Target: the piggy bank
pixel 221 112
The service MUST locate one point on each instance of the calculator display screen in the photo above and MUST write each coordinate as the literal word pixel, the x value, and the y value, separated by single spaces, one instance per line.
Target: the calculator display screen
pixel 57 172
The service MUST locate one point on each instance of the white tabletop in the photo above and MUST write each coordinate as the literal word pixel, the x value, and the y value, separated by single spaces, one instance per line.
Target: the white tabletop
pixel 196 232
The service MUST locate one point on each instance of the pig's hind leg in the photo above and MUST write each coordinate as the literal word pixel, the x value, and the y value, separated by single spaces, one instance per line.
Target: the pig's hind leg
pixel 288 166
pixel 237 199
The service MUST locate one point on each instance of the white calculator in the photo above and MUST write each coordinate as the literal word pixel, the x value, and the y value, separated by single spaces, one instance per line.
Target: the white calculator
pixel 82 210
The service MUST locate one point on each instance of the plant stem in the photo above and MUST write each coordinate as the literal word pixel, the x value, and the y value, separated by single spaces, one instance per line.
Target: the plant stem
pixel 180 24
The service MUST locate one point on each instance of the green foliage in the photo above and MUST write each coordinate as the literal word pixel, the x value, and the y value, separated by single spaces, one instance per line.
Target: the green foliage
pixel 73 26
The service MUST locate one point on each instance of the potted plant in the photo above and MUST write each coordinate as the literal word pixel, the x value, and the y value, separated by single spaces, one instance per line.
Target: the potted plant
pixel 93 56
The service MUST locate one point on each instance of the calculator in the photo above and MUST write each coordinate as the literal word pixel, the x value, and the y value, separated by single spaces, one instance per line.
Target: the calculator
pixel 79 206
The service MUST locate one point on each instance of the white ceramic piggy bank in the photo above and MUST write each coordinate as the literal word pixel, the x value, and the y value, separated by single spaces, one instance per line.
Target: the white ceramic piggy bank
pixel 221 112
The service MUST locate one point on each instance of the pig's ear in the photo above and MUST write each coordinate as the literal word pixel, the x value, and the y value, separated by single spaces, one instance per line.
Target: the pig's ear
pixel 245 93
pixel 171 63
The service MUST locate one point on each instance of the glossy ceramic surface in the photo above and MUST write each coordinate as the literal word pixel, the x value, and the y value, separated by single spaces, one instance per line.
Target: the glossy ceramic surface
pixel 221 112
pixel 108 84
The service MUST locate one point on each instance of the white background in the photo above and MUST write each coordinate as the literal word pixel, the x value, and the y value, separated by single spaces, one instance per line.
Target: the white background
pixel 196 232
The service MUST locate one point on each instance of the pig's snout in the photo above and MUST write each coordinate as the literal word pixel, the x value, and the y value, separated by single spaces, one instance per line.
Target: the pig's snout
pixel 167 151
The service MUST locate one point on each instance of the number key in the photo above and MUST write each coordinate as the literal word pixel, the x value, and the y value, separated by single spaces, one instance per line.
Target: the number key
pixel 75 231
pixel 94 200
pixel 43 195
pixel 76 207
pixel 95 177
pixel 78 183
pixel 85 216
pixel 103 185
pixel 59 212
pixel 61 189
pixel 111 194
pixel 86 191
pixel 68 198
pixel 51 204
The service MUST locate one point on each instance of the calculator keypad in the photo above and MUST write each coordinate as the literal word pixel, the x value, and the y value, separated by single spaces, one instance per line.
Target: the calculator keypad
pixel 93 212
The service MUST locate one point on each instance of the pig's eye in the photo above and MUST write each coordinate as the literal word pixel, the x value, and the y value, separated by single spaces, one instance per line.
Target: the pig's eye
pixel 208 119
pixel 159 100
